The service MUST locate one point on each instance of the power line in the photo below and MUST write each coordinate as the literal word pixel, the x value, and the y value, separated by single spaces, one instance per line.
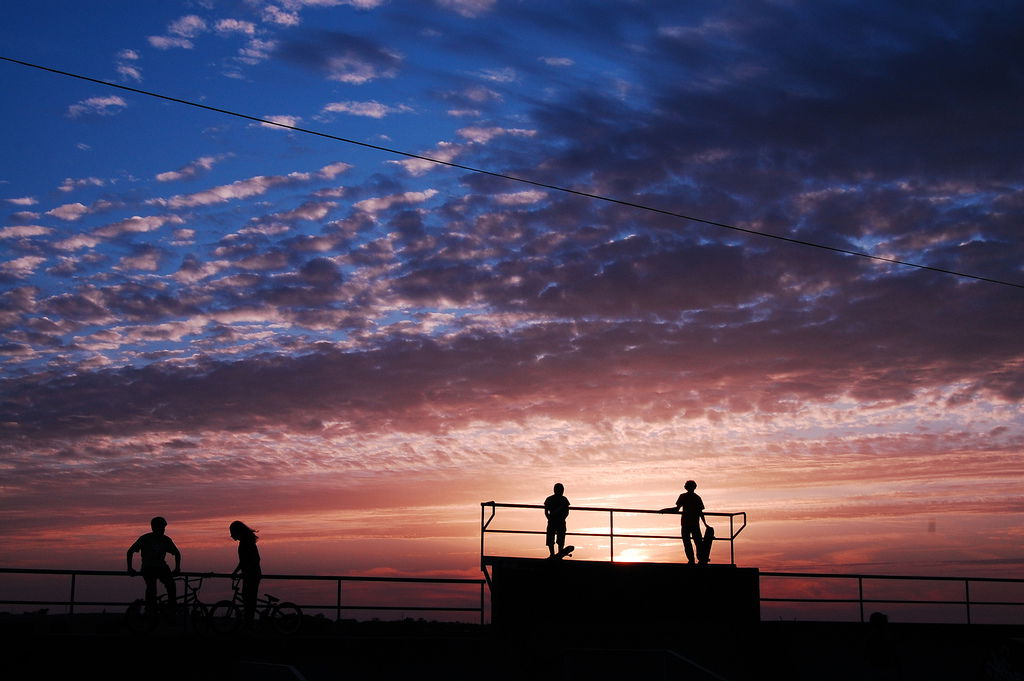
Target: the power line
pixel 513 178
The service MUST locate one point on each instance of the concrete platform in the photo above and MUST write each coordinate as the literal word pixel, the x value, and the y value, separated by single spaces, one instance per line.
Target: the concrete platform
pixel 531 593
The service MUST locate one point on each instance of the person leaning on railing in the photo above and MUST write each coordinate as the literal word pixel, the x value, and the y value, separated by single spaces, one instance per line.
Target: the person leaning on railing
pixel 692 507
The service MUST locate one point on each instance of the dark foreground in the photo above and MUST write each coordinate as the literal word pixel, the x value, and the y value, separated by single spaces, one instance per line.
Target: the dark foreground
pixel 97 646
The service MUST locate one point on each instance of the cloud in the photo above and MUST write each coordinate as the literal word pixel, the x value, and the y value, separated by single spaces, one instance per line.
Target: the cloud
pixel 505 75
pixel 467 8
pixel 481 135
pixel 137 225
pixel 254 186
pixel 188 26
pixel 69 211
pixel 444 151
pixel 97 106
pixel 557 61
pixel 256 51
pixel 370 109
pixel 272 14
pixel 130 72
pixel 23 267
pixel 190 170
pixel 382 203
pixel 23 201
pixel 70 184
pixel 343 57
pixel 228 26
pixel 77 242
pixel 291 121
pixel 162 42
pixel 22 231
pixel 145 259
pixel 523 198
pixel 126 65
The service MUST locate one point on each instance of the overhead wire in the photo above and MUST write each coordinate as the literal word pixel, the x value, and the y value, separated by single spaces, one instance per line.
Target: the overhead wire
pixel 514 178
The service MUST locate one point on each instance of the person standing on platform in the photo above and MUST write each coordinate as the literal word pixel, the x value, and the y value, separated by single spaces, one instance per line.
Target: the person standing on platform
pixel 692 507
pixel 556 510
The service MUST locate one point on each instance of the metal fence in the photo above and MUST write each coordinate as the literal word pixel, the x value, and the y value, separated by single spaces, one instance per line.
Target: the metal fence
pixel 338 605
pixel 966 602
pixel 737 521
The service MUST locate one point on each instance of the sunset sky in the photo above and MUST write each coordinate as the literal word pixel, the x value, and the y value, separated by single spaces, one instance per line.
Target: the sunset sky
pixel 210 318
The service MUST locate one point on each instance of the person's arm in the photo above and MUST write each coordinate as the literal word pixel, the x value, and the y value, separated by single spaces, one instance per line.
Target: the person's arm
pixel 131 550
pixel 173 550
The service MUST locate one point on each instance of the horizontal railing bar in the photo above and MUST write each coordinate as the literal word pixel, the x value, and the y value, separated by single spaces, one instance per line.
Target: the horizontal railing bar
pixel 391 607
pixel 120 604
pixel 826 575
pixel 333 606
pixel 601 534
pixel 882 600
pixel 605 510
pixel 225 575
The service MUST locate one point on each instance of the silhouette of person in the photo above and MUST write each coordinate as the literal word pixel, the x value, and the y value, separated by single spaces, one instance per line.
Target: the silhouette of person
pixel 154 546
pixel 556 510
pixel 693 514
pixel 248 566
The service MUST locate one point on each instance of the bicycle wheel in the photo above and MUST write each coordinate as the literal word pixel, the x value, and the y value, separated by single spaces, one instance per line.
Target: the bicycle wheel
pixel 199 617
pixel 225 617
pixel 286 618
pixel 139 619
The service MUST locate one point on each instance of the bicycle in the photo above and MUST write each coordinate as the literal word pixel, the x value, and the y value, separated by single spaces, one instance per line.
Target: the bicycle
pixel 284 617
pixel 141 619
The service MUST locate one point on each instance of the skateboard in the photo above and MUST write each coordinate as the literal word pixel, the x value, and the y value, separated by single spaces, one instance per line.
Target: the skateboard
pixel 566 551
pixel 704 547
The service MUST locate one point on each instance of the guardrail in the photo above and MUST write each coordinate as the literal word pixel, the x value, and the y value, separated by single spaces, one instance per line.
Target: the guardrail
pixel 967 602
pixel 337 606
pixel 485 528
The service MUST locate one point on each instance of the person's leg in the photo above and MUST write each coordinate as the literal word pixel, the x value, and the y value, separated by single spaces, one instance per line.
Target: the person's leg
pixel 170 586
pixel 549 538
pixel 250 590
pixel 560 536
pixel 687 545
pixel 150 578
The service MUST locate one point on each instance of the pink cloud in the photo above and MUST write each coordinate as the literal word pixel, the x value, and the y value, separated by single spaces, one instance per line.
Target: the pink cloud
pixel 69 211
pixel 22 231
pixel 98 106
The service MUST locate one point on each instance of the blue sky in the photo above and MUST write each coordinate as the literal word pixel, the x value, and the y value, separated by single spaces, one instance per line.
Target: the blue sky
pixel 258 322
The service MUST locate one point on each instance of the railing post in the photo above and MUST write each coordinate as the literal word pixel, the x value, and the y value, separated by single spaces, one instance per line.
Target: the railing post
pixel 860 597
pixel 71 604
pixel 481 604
pixel 732 542
pixel 967 598
pixel 337 611
pixel 611 535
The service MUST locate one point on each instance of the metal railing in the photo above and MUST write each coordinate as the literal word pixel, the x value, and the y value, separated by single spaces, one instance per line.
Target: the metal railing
pixel 967 602
pixel 337 606
pixel 735 526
